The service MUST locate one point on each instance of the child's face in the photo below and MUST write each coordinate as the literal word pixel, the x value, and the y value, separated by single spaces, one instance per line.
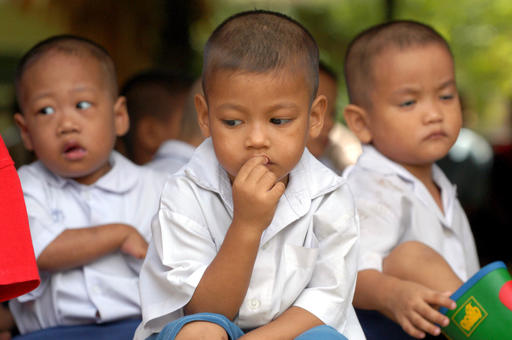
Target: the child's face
pixel 415 116
pixel 253 114
pixel 70 118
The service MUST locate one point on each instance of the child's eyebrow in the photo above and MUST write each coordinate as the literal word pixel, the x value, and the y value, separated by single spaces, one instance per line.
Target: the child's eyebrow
pixel 242 108
pixel 448 83
pixel 412 89
pixel 40 96
pixel 84 88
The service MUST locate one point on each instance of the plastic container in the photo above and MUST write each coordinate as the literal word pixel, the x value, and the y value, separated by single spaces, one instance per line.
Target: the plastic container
pixel 484 306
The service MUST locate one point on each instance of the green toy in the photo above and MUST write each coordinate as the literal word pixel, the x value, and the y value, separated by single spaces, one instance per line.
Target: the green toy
pixel 484 306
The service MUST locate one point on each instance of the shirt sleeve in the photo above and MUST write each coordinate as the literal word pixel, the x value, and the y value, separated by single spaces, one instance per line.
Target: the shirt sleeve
pixel 43 228
pixel 180 251
pixel 330 292
pixel 383 211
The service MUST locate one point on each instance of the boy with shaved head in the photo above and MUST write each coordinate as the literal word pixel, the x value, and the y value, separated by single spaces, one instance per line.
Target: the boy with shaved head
pixel 255 238
pixel 89 208
pixel 416 242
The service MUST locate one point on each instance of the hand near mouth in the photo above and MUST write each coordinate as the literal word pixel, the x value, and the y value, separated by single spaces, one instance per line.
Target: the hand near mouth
pixel 256 192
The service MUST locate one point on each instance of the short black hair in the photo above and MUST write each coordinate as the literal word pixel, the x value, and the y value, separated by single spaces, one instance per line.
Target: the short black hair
pixel 260 41
pixel 153 92
pixel 72 45
pixel 401 34
pixel 323 67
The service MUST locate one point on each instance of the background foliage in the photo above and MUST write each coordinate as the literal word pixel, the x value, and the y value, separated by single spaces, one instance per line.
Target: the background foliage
pixel 170 34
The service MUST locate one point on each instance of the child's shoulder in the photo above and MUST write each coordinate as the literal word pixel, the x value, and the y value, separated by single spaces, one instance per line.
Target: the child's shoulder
pixel 36 174
pixel 318 178
pixel 376 177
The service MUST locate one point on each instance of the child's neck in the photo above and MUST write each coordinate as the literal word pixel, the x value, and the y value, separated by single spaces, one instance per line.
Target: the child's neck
pixel 424 174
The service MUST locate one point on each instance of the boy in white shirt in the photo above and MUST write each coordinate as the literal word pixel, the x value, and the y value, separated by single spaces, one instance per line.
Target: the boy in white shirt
pixel 89 208
pixel 175 153
pixel 254 233
pixel 155 102
pixel 404 107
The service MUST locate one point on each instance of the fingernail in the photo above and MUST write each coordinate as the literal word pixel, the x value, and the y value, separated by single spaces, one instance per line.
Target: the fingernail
pixel 437 331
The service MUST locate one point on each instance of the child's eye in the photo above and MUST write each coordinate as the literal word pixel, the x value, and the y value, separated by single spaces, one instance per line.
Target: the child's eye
pixel 447 97
pixel 232 122
pixel 279 121
pixel 83 105
pixel 407 103
pixel 47 110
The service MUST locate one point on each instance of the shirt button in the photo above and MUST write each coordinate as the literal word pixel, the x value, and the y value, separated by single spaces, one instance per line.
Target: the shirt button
pixel 254 304
pixel 96 290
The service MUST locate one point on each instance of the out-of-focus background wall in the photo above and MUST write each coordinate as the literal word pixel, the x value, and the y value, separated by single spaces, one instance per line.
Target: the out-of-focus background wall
pixel 169 34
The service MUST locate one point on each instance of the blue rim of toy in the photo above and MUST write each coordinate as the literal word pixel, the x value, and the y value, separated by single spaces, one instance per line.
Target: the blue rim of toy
pixel 474 279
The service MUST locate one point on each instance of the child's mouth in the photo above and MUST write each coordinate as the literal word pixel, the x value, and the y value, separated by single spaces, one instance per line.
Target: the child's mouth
pixel 74 151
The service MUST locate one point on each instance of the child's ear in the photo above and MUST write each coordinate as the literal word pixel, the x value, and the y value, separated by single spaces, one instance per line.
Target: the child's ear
pixel 358 121
pixel 19 119
pixel 121 119
pixel 202 114
pixel 317 116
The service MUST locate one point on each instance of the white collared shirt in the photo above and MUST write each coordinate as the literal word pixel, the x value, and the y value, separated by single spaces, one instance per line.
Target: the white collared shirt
pixel 106 289
pixel 171 156
pixel 307 256
pixel 394 207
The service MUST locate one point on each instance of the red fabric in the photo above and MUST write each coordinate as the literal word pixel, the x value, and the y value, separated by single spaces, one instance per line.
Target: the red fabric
pixel 18 269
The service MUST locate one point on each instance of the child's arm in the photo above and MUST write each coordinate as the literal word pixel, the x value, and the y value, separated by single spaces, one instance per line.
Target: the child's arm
pixel 76 247
pixel 288 325
pixel 224 284
pixel 328 295
pixel 407 303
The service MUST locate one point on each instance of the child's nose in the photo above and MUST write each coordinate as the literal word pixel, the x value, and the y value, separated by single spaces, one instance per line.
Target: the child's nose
pixel 67 123
pixel 257 137
pixel 434 112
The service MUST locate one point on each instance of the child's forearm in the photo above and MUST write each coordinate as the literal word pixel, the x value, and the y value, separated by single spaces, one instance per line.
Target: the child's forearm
pixel 76 247
pixel 224 284
pixel 293 322
pixel 372 288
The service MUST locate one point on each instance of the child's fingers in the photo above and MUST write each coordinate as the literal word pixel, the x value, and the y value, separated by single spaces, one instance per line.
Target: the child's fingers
pixel 248 166
pixel 277 190
pixel 410 329
pixel 440 300
pixel 434 316
pixel 427 320
pixel 267 179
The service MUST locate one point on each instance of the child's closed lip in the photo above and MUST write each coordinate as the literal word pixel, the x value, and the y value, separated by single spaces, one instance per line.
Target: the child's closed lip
pixel 74 151
pixel 436 135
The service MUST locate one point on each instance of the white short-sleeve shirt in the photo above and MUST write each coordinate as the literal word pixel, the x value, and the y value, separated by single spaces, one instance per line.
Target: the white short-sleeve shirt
pixel 106 289
pixel 171 156
pixel 394 207
pixel 307 256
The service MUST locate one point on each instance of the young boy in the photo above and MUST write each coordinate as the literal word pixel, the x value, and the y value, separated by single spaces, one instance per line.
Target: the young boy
pixel 254 233
pixel 404 108
pixel 175 153
pixel 89 208
pixel 155 101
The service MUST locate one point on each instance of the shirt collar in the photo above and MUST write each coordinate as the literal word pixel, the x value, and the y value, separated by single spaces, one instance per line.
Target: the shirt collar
pixel 308 179
pixel 121 178
pixel 174 148
pixel 373 160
